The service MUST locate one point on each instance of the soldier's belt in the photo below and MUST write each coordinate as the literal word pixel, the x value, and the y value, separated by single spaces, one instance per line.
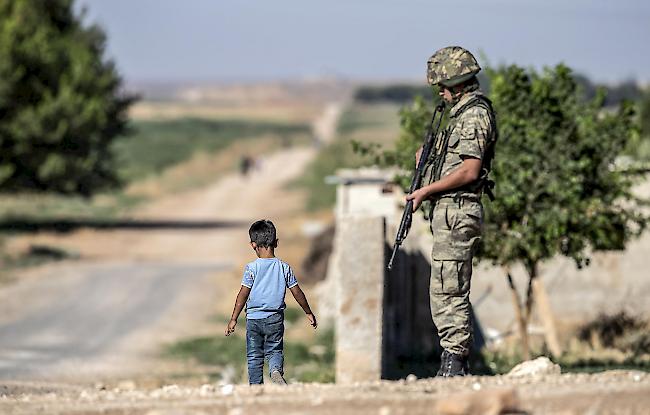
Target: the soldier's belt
pixel 457 197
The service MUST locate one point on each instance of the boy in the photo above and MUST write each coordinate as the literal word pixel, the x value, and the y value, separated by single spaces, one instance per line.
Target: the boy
pixel 262 291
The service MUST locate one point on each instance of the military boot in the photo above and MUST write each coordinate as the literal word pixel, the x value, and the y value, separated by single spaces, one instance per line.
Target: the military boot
pixel 443 362
pixel 454 365
pixel 466 365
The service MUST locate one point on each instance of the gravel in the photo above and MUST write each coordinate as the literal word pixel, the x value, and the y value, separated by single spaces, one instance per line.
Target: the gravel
pixel 608 392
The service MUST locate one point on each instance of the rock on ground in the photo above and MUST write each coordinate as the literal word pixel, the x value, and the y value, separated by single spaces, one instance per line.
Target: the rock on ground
pixel 541 366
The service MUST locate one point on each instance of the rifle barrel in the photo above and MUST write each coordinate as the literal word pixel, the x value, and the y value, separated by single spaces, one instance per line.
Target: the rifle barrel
pixel 429 144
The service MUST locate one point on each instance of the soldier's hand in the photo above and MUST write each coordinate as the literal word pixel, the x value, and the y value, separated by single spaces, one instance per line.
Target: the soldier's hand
pixel 417 197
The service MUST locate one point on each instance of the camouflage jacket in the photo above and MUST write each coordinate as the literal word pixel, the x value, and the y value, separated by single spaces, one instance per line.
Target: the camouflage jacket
pixel 471 131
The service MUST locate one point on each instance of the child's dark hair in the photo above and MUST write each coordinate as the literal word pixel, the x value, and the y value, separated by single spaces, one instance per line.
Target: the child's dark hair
pixel 263 233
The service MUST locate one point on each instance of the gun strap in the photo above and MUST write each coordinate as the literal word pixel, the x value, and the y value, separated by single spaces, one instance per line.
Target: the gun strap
pixel 483 184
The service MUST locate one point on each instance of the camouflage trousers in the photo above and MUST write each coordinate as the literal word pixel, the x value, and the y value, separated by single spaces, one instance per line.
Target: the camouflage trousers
pixel 456 226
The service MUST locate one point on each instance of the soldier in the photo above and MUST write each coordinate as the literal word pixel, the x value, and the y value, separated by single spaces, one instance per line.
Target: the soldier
pixel 457 212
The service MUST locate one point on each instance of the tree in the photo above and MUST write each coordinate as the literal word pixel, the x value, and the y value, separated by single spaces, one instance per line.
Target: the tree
pixel 559 190
pixel 60 100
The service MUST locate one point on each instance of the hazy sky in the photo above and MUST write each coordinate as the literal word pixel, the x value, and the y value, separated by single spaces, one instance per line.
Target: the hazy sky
pixel 217 40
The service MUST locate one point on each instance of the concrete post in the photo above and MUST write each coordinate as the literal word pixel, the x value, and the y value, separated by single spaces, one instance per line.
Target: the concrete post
pixel 360 291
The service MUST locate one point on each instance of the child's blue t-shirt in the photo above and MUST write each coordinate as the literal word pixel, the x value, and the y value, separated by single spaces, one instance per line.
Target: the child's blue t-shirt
pixel 268 279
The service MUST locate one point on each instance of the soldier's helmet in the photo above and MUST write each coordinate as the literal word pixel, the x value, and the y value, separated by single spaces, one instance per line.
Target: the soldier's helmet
pixel 451 66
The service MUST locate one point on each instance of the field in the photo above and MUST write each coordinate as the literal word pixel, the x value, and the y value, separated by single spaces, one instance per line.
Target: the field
pixel 263 112
pixel 361 123
pixel 154 148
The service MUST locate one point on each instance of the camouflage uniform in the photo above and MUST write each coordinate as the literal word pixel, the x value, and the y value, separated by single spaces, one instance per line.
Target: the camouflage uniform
pixel 456 223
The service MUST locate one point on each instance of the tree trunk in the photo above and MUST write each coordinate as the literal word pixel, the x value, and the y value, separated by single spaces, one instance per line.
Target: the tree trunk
pixel 537 295
pixel 519 314
pixel 532 273
pixel 546 315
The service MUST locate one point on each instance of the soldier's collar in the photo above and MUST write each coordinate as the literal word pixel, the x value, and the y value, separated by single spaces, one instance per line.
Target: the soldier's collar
pixel 464 100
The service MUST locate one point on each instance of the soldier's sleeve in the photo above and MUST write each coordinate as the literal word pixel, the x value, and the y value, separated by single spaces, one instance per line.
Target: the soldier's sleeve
pixel 475 125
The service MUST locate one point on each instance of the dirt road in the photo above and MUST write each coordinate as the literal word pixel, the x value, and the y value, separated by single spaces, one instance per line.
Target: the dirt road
pixel 86 319
pixel 104 317
pixel 143 286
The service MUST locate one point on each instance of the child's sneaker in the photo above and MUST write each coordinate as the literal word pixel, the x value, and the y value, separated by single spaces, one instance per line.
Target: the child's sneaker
pixel 277 378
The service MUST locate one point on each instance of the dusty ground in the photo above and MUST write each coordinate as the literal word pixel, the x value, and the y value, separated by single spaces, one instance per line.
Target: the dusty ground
pixel 606 393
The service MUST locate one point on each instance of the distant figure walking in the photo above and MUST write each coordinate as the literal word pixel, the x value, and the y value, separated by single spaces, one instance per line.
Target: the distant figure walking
pixel 245 164
pixel 263 288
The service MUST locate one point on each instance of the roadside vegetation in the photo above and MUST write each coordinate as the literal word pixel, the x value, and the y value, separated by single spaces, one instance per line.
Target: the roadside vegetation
pixel 224 358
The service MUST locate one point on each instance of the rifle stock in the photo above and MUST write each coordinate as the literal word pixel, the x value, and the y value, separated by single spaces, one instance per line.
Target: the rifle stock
pixel 430 139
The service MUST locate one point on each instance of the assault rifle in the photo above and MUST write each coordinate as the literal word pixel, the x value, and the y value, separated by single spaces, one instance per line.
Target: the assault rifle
pixel 431 141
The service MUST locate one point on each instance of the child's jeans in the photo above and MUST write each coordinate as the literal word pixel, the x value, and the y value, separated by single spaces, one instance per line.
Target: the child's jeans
pixel 264 339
